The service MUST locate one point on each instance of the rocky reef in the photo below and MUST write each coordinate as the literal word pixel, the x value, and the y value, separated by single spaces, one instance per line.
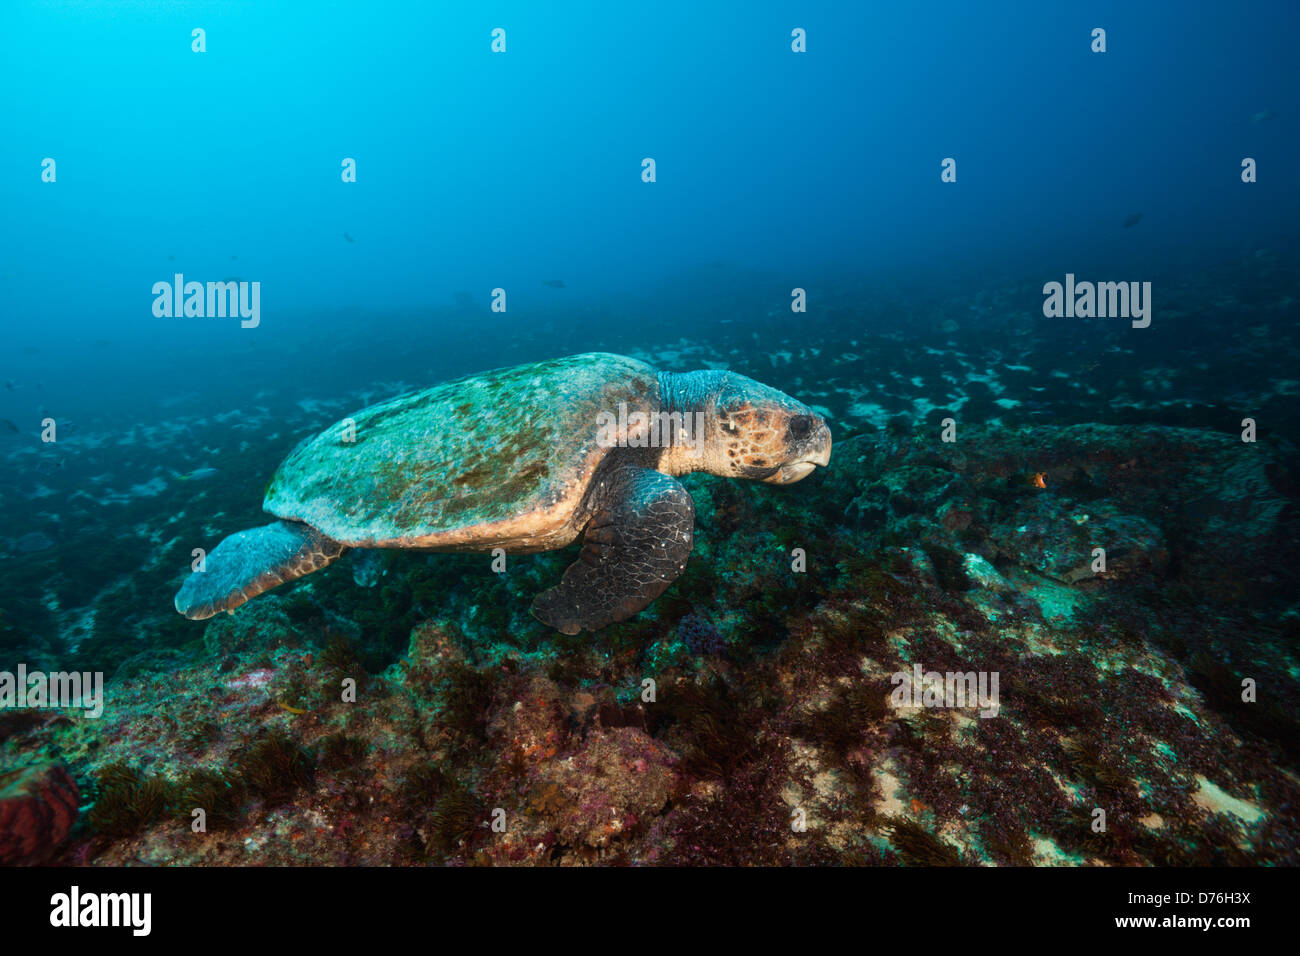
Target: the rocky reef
pixel 1131 590
pixel 38 806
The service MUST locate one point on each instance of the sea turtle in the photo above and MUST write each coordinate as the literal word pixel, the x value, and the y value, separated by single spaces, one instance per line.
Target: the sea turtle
pixel 524 459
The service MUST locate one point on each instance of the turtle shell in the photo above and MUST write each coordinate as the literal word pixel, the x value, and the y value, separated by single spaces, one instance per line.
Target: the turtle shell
pixel 500 459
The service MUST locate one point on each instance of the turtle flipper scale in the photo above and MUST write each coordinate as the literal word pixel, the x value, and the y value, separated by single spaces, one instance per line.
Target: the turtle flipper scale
pixel 249 562
pixel 635 545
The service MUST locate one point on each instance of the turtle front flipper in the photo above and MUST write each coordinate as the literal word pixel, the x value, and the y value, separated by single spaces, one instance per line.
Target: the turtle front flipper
pixel 250 562
pixel 635 545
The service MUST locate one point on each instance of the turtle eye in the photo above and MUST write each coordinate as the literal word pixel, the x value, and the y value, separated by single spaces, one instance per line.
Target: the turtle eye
pixel 801 426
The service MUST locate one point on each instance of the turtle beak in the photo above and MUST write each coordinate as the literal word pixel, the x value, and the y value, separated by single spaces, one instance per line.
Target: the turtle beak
pixel 789 474
pixel 816 452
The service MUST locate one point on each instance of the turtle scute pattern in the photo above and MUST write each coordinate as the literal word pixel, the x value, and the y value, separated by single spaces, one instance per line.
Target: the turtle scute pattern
pixel 636 544
pixel 503 456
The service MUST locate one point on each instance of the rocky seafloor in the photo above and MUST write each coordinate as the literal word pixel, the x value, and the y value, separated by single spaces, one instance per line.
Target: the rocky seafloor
pixel 400 708
pixel 478 737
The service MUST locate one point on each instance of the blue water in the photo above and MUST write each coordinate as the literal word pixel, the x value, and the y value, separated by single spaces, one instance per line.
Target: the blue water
pixel 478 170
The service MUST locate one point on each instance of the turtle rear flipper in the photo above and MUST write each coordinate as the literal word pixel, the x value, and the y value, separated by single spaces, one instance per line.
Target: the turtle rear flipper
pixel 250 562
pixel 635 545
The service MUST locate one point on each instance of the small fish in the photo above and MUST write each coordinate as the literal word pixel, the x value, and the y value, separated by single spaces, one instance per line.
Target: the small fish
pixel 348 238
pixel 553 283
pixel 1038 479
pixel 292 710
pixel 7 425
pixel 1262 116
pixel 1132 219
pixel 10 386
pixel 198 474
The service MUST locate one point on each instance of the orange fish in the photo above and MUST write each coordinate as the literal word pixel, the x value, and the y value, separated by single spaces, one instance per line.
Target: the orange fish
pixel 1038 479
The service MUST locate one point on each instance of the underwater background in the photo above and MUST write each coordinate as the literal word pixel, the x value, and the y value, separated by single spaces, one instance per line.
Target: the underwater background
pixel 385 175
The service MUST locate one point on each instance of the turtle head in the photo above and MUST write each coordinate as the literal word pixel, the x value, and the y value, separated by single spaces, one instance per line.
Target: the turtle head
pixel 748 430
pixel 764 434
